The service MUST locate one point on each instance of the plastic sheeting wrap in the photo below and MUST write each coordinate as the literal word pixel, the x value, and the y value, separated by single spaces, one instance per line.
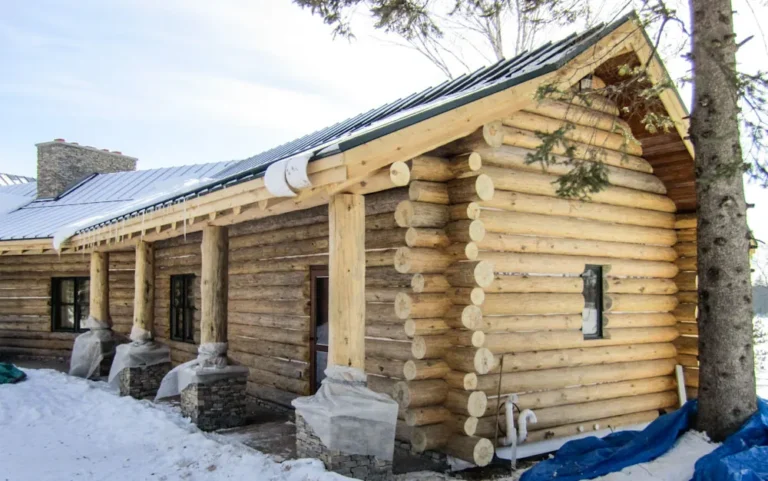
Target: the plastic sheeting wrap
pixel 349 417
pixel 138 354
pixel 91 347
pixel 210 359
pixel 742 457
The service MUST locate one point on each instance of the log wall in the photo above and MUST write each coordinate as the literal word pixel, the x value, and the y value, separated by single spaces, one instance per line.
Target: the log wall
pixel 687 310
pixel 499 302
pixel 25 300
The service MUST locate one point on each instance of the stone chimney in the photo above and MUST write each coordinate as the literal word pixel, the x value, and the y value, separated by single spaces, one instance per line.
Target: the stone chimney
pixel 60 164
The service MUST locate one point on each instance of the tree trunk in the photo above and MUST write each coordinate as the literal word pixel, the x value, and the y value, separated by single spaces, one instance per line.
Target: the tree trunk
pixel 727 390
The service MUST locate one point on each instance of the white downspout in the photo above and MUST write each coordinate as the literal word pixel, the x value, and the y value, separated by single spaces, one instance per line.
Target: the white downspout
pixel 680 375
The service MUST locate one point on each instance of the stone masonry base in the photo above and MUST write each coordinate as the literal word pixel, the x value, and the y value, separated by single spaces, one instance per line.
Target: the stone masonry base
pixel 216 404
pixel 354 465
pixel 142 382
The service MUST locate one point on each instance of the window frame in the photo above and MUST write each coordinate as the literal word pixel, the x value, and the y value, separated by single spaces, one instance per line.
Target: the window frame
pixel 600 271
pixel 56 303
pixel 188 309
pixel 315 273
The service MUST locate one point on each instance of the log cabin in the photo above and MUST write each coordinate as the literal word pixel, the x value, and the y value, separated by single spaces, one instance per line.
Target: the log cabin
pixel 414 241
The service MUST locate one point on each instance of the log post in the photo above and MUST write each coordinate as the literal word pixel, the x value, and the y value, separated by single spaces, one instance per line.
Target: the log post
pixel 144 294
pixel 346 270
pixel 214 288
pixel 99 296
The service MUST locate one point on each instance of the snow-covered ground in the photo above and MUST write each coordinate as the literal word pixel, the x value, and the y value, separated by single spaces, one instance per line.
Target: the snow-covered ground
pixel 56 427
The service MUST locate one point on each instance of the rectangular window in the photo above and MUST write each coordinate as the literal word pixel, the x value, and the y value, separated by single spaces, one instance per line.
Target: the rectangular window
pixel 69 303
pixel 592 316
pixel 318 325
pixel 183 308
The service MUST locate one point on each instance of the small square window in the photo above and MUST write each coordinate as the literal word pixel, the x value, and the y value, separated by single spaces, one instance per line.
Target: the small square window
pixel 592 315
pixel 183 308
pixel 69 303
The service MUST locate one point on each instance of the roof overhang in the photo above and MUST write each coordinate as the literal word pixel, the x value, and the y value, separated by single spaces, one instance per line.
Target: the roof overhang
pixel 359 168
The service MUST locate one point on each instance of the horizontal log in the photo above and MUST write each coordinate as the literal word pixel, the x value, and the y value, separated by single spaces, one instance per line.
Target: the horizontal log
pixel 384 367
pixel 425 327
pixel 688 297
pixel 427 415
pixel 296 278
pixel 531 323
pixel 686 249
pixel 586 356
pixel 639 303
pixel 688 328
pixel 382 349
pixel 288 308
pixel 414 394
pixel 386 277
pixel 646 319
pixel 559 264
pixel 429 283
pixel 470 274
pixel 513 342
pixel 278 293
pixel 687 345
pixel 416 370
pixel 430 347
pixel 425 237
pixel 285 336
pixel 478 451
pixel 517 158
pixel 538 303
pixel 618 285
pixel 687 263
pixel 557 206
pixel 543 184
pixel 463 337
pixel 421 305
pixel 687 235
pixel 421 214
pixel 385 331
pixel 465 402
pixel 431 437
pixel 506 222
pixel 470 359
pixel 268 320
pixel 291 369
pixel 571 376
pixel 462 251
pixel 381 312
pixel 465 231
pixel 292 234
pixel 465 211
pixel 559 415
pixel 461 380
pixel 466 295
pixel 430 192
pixel 298 386
pixel 686 312
pixel 381 294
pixel 479 187
pixel 381 384
pixel 465 317
pixel 558 109
pixel 686 221
pixel 409 260
pixel 271 349
pixel 687 281
pixel 552 245
pixel 386 239
pixel 611 423
pixel 688 360
pixel 525 138
pixel 270 394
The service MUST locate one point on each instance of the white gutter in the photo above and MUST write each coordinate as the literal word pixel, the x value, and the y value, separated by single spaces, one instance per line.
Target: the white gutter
pixel 527 450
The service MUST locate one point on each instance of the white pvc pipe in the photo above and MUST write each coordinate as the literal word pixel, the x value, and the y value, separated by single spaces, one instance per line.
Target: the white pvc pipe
pixel 527 450
pixel 680 375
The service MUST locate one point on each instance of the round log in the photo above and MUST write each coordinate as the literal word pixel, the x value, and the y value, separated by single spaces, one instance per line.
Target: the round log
pixel 421 305
pixel 415 370
pixel 478 451
pixel 638 303
pixel 467 317
pixel 425 327
pixel 421 214
pixel 465 211
pixel 430 192
pixel 646 319
pixel 531 323
pixel 618 285
pixel 426 416
pixel 465 231
pixel 468 189
pixel 470 274
pixel 421 260
pixel 430 347
pixel 538 303
pixel 467 295
pixel 467 403
pixel 414 394
pixel 424 237
pixel 558 264
pixel 425 283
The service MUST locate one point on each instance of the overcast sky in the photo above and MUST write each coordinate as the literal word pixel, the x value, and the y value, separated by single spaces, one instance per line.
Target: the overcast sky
pixel 187 81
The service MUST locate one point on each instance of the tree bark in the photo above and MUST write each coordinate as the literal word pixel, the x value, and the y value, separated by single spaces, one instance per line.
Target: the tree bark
pixel 727 390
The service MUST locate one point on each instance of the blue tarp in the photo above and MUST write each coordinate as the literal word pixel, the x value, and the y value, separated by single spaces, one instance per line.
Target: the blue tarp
pixel 743 457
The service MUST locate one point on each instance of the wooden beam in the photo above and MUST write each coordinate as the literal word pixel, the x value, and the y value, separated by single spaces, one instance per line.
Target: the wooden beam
pixel 214 284
pixel 346 270
pixel 144 292
pixel 99 301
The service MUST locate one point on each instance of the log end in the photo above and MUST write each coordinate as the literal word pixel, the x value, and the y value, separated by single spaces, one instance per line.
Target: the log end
pixel 417 282
pixel 472 317
pixel 403 305
pixel 483 273
pixel 477 404
pixel 399 173
pixel 484 187
pixel 401 394
pixel 404 213
pixel 484 361
pixel 493 133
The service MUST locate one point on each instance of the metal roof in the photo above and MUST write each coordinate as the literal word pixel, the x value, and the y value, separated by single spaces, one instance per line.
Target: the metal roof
pixel 10 179
pixel 349 133
pixel 93 196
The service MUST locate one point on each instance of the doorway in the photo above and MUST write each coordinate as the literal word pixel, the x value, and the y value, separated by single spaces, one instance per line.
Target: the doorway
pixel 318 325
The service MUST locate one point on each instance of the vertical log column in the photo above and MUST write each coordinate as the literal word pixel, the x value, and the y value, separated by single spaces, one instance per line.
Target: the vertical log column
pixel 214 285
pixel 143 379
pixel 99 301
pixel 346 269
pixel 144 296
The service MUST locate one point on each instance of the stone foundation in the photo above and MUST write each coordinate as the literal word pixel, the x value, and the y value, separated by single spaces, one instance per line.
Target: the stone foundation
pixel 217 403
pixel 142 382
pixel 354 465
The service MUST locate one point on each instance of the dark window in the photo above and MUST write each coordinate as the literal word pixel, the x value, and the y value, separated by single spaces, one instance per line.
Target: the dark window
pixel 69 303
pixel 183 308
pixel 318 326
pixel 592 316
